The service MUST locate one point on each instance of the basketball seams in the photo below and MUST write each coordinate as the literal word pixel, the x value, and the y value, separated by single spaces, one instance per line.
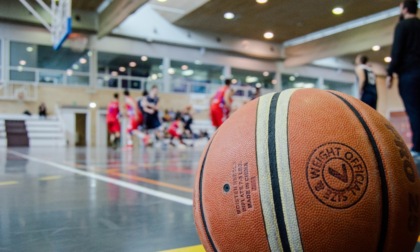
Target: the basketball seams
pixel 203 219
pixel 264 175
pixel 260 100
pixel 382 173
pixel 288 202
pixel 275 181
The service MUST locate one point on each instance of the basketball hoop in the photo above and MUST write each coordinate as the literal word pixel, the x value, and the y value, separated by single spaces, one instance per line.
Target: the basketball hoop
pixel 61 23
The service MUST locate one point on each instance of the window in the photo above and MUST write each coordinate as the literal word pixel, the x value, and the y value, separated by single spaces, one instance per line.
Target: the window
pixel 194 77
pixel 128 71
pixel 344 87
pixel 297 81
pixel 243 77
pixel 39 63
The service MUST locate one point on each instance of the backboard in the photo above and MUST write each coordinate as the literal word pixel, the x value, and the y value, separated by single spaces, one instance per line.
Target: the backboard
pixel 60 16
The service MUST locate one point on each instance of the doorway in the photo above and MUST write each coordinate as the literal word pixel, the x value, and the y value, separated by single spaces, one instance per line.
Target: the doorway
pixel 80 129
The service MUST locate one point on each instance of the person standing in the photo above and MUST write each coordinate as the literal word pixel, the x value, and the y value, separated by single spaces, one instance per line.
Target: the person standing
pixel 406 64
pixel 367 81
pixel 134 115
pixel 112 121
pixel 151 115
pixel 221 104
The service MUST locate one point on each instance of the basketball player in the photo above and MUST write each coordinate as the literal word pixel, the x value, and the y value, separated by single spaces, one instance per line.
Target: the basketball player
pixel 221 104
pixel 406 63
pixel 366 80
pixel 151 115
pixel 112 121
pixel 176 129
pixel 135 117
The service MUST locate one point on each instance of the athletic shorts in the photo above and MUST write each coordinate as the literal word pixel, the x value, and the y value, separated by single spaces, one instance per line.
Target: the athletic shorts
pixel 217 116
pixel 133 124
pixel 114 127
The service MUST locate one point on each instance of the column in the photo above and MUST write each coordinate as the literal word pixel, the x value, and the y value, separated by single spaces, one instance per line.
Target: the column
pixel 166 64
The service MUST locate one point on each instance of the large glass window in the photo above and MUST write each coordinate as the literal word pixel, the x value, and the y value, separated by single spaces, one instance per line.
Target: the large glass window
pixel 297 81
pixel 128 71
pixel 243 77
pixel 194 77
pixel 39 63
pixel 344 87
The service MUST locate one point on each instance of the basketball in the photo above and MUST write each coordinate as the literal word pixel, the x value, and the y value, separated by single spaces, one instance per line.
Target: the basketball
pixel 307 170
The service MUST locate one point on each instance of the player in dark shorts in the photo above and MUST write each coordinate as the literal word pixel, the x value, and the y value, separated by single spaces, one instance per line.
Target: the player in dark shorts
pixel 152 123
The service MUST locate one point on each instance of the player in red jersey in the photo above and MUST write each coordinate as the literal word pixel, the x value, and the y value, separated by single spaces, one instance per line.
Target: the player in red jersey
pixel 221 104
pixel 176 129
pixel 113 122
pixel 134 115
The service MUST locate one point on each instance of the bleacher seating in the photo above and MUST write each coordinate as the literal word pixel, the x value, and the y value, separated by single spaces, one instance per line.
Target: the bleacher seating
pixel 40 132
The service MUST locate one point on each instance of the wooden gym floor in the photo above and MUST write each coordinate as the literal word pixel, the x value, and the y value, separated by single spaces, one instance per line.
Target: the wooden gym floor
pixel 97 199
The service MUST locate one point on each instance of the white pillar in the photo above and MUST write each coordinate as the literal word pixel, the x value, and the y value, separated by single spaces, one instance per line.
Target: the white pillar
pixel 320 83
pixel 93 69
pixel 166 64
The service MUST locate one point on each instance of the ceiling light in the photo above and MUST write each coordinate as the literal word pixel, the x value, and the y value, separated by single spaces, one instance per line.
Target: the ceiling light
pixel 274 82
pixel 122 69
pixel 106 78
pixel 376 48
pixel 92 105
pixel 144 58
pixel 22 62
pixel 82 61
pixel 162 1
pixel 229 15
pixel 20 68
pixel 388 59
pixel 184 67
pixel 338 11
pixel 132 64
pixel 266 73
pixel 89 53
pixel 258 85
pixel 69 72
pixel 75 67
pixel 261 1
pixel 29 49
pixel 171 71
pixel 114 73
pixel 154 76
pixel 160 75
pixel 292 78
pixel 197 62
pixel 234 81
pixel 268 35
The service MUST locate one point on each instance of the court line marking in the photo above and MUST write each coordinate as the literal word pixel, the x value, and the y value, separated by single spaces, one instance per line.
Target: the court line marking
pixel 47 178
pixel 137 188
pixel 197 248
pixel 116 172
pixel 5 183
pixel 152 181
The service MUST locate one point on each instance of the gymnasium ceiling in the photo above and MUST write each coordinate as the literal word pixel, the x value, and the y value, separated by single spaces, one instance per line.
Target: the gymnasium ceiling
pixel 287 19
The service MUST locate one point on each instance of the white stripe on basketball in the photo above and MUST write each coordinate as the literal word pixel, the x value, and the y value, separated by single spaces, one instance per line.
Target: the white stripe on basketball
pixel 283 165
pixel 264 175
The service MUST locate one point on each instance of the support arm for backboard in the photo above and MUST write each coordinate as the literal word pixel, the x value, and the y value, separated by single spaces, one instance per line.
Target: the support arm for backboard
pixel 36 14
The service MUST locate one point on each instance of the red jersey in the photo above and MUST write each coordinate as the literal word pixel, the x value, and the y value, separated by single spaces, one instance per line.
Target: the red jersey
pixel 219 98
pixel 113 111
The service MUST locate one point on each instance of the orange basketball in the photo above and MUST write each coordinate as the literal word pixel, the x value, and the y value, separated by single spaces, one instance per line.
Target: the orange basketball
pixel 307 170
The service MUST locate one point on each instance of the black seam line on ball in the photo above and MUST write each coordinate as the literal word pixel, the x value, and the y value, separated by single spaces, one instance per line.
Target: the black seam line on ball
pixel 203 218
pixel 384 185
pixel 272 154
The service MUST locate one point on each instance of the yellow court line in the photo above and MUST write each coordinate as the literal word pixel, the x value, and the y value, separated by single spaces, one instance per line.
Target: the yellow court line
pixel 153 182
pixel 197 248
pixel 5 183
pixel 50 178
pixel 418 239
